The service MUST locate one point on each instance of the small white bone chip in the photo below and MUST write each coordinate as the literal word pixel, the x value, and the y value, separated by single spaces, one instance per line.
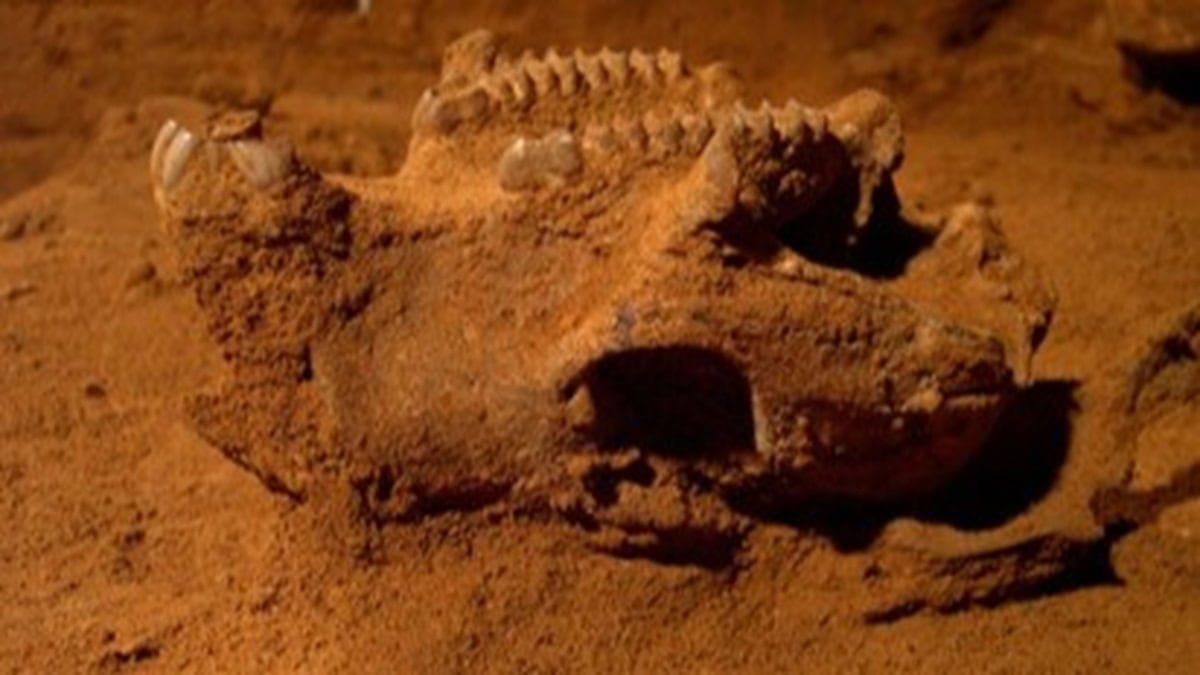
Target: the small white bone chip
pixel 176 156
pixel 548 161
pixel 262 163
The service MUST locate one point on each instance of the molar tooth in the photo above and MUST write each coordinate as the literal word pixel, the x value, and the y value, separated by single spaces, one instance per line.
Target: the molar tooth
pixel 522 87
pixel 444 114
pixel 176 156
pixel 789 122
pixel 671 64
pixel 697 130
pixel 591 69
pixel 165 134
pixel 816 121
pixel 498 92
pixel 617 65
pixel 564 69
pixel 548 161
pixel 760 122
pixel 645 67
pixel 543 77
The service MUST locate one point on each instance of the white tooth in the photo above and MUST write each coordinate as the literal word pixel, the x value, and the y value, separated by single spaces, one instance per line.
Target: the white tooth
pixel 261 163
pixel 544 80
pixel 165 134
pixel 522 87
pixel 176 156
pixel 564 69
pixel 592 71
pixel 617 65
pixel 548 161
pixel 671 64
pixel 644 65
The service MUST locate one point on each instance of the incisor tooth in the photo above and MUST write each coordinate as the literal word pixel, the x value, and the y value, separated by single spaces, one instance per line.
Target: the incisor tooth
pixel 176 156
pixel 161 141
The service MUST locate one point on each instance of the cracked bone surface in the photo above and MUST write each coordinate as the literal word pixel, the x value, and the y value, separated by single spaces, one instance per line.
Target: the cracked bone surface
pixel 588 257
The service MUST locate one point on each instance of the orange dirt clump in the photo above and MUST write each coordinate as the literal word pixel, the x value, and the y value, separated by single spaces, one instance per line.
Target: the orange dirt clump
pixel 566 359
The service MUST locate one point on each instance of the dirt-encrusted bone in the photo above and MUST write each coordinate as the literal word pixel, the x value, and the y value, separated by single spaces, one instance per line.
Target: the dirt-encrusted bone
pixel 584 258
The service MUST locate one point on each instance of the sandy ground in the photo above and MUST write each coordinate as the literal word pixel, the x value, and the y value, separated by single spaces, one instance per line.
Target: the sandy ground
pixel 128 543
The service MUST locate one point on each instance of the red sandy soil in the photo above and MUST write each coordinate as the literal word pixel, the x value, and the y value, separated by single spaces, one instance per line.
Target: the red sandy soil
pixel 128 543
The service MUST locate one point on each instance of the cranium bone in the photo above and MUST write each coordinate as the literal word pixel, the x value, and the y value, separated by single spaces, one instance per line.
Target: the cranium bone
pixel 584 292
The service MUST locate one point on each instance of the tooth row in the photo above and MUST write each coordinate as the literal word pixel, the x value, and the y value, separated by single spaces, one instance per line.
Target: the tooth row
pixel 793 123
pixel 260 163
pixel 518 84
pixel 661 136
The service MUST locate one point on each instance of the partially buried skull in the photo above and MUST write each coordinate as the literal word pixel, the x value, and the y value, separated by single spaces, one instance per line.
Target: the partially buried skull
pixel 601 288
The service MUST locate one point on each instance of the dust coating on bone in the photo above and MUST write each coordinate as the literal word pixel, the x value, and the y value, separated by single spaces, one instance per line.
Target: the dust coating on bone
pixel 888 404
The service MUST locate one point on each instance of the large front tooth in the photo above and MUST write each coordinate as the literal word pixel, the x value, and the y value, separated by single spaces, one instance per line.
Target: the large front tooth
pixel 261 163
pixel 176 156
pixel 161 141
